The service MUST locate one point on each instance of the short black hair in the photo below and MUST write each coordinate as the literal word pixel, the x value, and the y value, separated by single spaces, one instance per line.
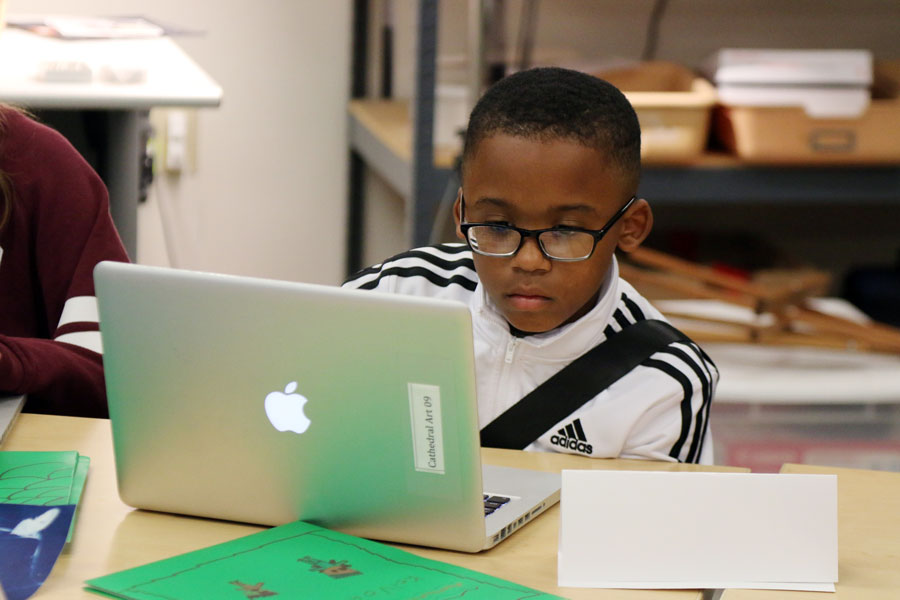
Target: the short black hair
pixel 550 103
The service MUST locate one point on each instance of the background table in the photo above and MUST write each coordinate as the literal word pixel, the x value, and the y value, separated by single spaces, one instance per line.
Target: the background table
pixel 110 536
pixel 172 79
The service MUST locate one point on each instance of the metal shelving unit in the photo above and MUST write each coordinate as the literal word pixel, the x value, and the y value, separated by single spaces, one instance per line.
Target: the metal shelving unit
pixel 396 141
pixel 707 184
pixel 412 173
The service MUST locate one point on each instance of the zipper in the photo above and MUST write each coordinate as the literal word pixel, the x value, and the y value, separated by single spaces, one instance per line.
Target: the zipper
pixel 511 350
pixel 500 386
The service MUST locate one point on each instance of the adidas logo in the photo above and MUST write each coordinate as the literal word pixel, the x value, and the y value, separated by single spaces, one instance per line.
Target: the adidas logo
pixel 572 437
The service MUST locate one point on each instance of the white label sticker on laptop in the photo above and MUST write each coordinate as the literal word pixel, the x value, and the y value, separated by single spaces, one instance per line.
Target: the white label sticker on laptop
pixel 428 439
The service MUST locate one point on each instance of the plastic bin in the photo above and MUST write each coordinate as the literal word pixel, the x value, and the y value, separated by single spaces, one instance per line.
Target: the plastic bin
pixel 780 404
pixel 777 404
pixel 673 105
pixel 788 134
pixel 763 437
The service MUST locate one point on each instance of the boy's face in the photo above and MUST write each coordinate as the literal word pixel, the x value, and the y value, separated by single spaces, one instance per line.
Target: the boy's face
pixel 536 184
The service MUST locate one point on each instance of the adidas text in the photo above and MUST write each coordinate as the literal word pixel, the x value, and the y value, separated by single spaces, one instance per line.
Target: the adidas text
pixel 571 444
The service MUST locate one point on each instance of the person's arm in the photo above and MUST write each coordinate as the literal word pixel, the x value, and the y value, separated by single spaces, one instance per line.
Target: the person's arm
pixel 72 231
pixel 57 377
pixel 675 389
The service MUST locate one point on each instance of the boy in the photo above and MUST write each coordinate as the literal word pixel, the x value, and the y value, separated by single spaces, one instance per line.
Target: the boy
pixel 550 169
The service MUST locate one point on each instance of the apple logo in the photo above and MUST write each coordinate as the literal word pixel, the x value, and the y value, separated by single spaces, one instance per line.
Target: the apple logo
pixel 285 409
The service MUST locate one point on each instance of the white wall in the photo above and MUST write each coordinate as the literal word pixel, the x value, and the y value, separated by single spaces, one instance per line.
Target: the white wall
pixel 268 194
pixel 690 30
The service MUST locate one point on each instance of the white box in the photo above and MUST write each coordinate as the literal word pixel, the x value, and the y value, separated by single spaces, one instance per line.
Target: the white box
pixel 826 83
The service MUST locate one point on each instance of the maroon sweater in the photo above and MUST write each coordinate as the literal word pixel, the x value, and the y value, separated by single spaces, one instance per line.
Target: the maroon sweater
pixel 58 230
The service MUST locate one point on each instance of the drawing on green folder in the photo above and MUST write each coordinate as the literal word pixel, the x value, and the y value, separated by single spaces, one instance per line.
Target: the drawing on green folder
pixel 303 560
pixel 333 568
pixel 37 478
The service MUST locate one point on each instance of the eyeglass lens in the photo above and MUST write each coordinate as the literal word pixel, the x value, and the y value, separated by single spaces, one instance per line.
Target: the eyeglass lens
pixel 556 243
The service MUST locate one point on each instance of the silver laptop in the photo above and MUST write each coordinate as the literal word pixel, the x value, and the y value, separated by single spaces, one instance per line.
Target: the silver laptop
pixel 10 407
pixel 267 402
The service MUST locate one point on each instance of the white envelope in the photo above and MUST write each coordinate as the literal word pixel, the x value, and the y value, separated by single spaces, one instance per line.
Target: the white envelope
pixel 640 529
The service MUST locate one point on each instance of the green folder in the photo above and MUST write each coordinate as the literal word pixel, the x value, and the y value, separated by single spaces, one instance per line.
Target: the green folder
pixel 300 560
pixel 43 478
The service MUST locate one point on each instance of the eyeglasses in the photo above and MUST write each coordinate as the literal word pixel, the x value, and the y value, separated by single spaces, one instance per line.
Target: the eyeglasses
pixel 567 244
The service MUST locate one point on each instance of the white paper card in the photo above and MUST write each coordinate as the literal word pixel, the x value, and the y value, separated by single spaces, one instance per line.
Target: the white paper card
pixel 428 436
pixel 638 529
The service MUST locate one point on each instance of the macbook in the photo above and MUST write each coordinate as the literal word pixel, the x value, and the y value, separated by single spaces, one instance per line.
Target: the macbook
pixel 10 407
pixel 266 402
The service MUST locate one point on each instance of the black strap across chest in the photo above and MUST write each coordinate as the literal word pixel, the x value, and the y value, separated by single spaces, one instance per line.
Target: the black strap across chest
pixel 582 379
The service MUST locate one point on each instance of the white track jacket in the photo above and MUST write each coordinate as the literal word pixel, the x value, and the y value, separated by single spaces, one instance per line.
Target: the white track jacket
pixel 658 411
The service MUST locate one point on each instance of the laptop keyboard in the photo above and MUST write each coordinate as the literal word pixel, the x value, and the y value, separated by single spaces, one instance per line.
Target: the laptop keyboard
pixel 492 503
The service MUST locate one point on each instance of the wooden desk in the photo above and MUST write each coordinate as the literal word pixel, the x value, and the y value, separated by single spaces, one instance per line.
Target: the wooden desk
pixel 868 537
pixel 110 536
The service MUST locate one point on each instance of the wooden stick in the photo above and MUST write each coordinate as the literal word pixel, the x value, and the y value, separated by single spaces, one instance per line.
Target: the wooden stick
pixel 788 338
pixel 691 289
pixel 691 270
pixel 783 338
pixel 876 330
pixel 674 314
pixel 871 337
pixel 786 302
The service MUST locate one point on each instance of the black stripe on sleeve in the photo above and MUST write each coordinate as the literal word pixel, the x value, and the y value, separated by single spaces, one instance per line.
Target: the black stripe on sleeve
pixel 709 366
pixel 434 278
pixel 688 391
pixel 442 248
pixel 464 262
pixel 363 273
pixel 633 308
pixel 452 248
pixel 699 423
pixel 620 318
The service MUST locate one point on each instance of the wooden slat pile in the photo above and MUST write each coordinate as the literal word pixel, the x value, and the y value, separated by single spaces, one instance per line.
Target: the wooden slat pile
pixel 793 320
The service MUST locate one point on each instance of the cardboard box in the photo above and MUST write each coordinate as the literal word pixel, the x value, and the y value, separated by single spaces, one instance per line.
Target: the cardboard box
pixel 673 105
pixel 789 134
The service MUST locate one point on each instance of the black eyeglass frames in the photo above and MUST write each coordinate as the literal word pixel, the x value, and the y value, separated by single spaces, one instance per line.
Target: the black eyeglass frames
pixel 568 244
